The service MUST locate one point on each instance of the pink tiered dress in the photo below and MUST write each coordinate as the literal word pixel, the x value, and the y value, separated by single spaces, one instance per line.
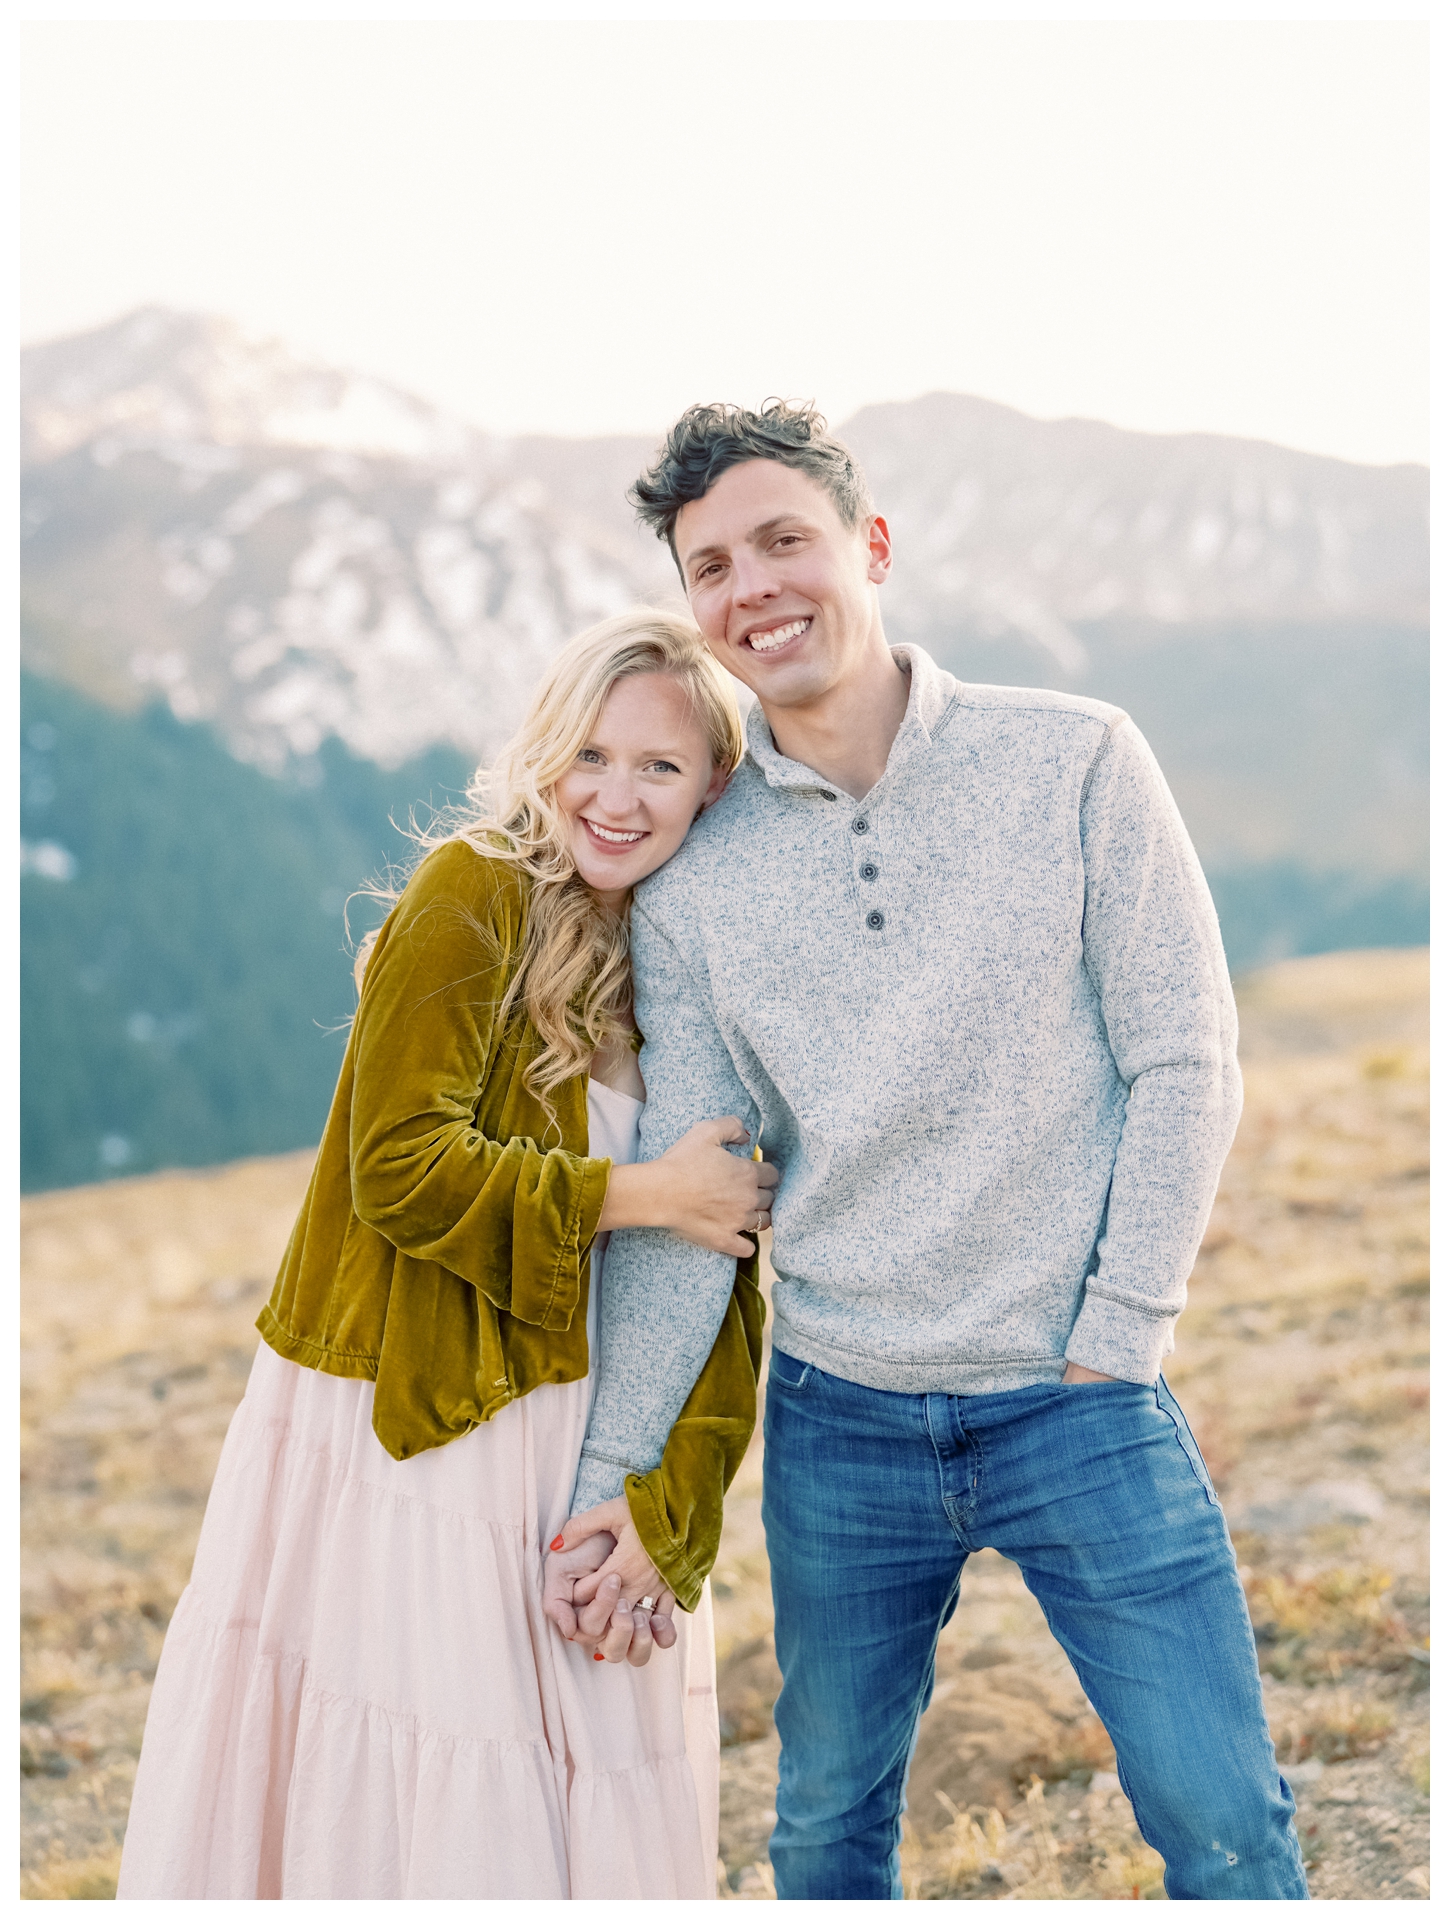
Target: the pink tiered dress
pixel 360 1696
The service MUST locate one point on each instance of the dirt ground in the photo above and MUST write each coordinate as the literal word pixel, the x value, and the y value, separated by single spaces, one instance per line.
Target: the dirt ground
pixel 1301 1361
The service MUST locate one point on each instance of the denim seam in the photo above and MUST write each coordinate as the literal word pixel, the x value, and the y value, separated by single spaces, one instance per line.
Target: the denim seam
pixel 973 1448
pixel 927 1687
pixel 1199 1468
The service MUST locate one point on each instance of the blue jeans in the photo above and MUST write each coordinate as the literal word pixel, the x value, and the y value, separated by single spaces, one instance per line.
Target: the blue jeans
pixel 873 1502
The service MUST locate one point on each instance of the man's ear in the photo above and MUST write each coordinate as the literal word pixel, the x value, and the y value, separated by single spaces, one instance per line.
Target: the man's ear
pixel 878 550
pixel 719 781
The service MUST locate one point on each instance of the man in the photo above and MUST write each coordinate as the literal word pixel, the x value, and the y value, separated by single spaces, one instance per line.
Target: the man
pixel 948 950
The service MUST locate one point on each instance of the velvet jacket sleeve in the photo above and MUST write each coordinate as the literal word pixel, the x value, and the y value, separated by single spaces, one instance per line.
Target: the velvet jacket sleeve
pixel 428 1173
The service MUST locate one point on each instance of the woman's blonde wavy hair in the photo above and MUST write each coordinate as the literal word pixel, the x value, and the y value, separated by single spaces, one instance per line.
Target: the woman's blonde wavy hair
pixel 572 978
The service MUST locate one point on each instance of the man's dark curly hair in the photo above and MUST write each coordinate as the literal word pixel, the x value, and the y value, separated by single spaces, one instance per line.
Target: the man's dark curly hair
pixel 707 441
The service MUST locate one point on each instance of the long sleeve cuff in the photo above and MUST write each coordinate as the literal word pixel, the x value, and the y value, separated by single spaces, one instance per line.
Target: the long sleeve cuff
pixel 546 1294
pixel 1110 1337
pixel 683 1571
pixel 599 1480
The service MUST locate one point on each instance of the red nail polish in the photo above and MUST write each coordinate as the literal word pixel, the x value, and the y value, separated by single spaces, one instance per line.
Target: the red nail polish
pixel 599 1656
pixel 556 1543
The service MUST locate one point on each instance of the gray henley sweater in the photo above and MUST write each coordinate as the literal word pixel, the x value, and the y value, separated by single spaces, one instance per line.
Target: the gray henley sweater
pixel 980 1020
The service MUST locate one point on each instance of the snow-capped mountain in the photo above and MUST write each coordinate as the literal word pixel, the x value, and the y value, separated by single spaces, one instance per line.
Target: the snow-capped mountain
pixel 292 551
pixel 1007 524
pixel 189 378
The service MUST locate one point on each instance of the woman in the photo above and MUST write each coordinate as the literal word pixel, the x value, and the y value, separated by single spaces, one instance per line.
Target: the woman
pixel 361 1695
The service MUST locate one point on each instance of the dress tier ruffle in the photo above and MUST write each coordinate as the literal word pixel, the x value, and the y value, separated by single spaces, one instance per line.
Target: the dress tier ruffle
pixel 360 1696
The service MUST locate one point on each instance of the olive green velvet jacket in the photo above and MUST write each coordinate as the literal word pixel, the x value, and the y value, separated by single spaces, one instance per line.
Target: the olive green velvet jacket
pixel 442 1250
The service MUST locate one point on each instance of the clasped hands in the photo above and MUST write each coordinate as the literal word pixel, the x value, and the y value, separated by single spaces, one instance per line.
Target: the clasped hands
pixel 595 1572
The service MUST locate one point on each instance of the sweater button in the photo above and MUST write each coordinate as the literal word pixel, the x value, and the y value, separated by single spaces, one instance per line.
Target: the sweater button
pixel 869 870
pixel 876 920
pixel 826 794
pixel 860 824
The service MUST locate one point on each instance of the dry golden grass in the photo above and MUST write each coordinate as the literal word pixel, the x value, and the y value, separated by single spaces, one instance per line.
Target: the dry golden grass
pixel 136 1309
pixel 1314 1627
pixel 93 1878
pixel 1301 1363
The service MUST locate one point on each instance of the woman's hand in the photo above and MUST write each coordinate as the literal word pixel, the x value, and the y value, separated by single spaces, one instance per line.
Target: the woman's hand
pixel 608 1617
pixel 697 1189
pixel 717 1197
pixel 562 1572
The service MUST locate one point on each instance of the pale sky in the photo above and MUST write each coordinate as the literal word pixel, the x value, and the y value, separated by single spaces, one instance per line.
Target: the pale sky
pixel 581 228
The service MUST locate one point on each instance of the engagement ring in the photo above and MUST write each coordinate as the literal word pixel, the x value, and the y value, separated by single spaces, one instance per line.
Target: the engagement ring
pixel 646 1605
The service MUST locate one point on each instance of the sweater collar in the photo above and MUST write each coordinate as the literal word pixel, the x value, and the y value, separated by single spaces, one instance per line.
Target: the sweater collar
pixel 926 705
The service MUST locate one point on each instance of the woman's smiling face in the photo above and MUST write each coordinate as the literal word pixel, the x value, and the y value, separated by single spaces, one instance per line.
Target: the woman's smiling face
pixel 637 784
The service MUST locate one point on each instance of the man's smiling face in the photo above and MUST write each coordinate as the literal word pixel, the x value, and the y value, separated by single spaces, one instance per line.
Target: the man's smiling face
pixel 781 588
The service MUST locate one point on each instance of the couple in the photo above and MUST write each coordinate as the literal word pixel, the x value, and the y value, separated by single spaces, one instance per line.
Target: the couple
pixel 945 953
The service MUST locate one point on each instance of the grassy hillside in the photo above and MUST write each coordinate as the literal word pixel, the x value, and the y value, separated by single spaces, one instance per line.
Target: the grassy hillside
pixel 184 973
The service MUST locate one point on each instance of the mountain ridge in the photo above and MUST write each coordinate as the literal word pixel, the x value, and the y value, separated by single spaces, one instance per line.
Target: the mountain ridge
pixel 167 327
pixel 309 553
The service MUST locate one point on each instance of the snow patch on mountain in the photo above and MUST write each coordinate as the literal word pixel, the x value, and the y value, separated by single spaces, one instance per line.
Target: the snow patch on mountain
pixel 293 551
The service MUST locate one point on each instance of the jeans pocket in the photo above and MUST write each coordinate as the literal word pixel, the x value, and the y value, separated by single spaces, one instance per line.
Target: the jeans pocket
pixel 1169 1406
pixel 793 1375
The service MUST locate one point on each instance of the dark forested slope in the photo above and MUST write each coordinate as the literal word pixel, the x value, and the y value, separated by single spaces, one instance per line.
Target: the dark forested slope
pixel 185 974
